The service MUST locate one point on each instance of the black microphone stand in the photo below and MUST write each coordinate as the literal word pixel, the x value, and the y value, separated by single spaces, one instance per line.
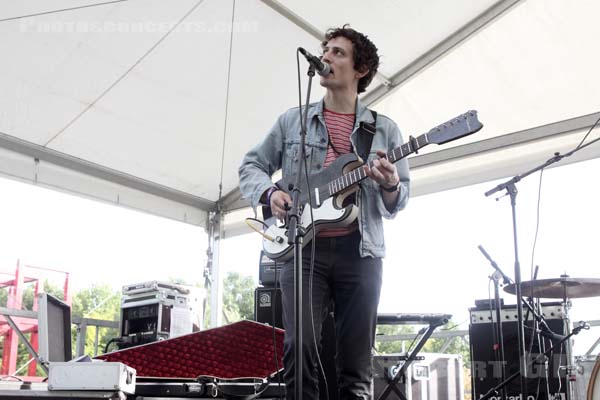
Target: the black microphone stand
pixel 496 276
pixel 295 237
pixel 511 190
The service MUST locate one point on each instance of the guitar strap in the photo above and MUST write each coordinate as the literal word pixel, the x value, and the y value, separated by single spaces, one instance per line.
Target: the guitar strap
pixel 364 139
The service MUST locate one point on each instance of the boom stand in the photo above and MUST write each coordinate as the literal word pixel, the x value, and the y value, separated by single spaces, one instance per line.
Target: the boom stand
pixel 499 333
pixel 511 189
pixel 295 237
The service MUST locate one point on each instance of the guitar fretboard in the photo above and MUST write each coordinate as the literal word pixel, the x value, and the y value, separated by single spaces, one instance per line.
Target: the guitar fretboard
pixel 356 175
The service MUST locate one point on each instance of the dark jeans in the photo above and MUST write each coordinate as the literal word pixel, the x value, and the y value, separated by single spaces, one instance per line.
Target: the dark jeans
pixel 352 284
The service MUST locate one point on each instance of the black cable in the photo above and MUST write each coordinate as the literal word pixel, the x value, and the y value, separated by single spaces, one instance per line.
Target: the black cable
pixel 310 283
pixel 558 368
pixel 494 325
pixel 535 327
pixel 227 98
pixel 542 349
pixel 532 340
pixel 586 135
pixel 558 156
pixel 410 346
pixel 7 377
pixel 61 10
pixel 111 341
pixel 279 382
pixel 123 75
pixel 302 127
pixel 537 227
pixel 456 325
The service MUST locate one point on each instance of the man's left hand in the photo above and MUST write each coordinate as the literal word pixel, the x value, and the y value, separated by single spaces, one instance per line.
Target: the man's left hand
pixel 383 172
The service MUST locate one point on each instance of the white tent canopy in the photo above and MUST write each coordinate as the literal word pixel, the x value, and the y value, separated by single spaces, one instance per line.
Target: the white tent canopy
pixel 151 104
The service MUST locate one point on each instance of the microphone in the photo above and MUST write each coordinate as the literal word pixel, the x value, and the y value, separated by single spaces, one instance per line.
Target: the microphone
pixel 485 253
pixel 322 68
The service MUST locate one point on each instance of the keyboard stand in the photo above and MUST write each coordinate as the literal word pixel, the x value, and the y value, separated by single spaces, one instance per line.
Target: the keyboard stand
pixel 433 320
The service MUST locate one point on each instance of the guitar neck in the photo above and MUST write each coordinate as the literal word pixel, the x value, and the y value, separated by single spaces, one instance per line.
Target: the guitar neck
pixel 463 125
pixel 358 174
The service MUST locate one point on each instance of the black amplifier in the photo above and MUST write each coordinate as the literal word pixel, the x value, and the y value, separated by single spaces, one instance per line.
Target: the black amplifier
pixel 268 270
pixel 267 306
pixel 542 382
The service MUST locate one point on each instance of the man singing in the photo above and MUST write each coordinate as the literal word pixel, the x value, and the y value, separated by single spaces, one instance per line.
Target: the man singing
pixel 348 260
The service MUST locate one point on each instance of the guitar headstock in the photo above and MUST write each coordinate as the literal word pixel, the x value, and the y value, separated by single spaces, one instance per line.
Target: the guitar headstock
pixel 463 125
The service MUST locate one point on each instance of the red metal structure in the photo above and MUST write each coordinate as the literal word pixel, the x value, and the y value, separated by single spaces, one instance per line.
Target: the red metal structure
pixel 16 282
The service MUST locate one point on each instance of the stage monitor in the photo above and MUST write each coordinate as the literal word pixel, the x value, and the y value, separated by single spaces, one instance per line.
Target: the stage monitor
pixel 54 329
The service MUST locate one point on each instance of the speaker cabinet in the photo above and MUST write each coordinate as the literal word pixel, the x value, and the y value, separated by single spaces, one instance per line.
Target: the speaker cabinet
pixel 267 306
pixel 542 382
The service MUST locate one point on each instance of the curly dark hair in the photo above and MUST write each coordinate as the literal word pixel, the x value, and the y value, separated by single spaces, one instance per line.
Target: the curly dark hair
pixel 365 52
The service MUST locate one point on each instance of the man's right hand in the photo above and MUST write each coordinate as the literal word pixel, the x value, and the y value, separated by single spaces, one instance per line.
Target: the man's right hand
pixel 280 202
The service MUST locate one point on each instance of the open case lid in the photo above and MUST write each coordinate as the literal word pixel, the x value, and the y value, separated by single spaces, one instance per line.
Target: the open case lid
pixel 239 350
pixel 54 329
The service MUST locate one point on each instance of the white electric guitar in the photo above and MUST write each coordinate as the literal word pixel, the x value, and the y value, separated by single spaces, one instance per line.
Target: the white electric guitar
pixel 328 189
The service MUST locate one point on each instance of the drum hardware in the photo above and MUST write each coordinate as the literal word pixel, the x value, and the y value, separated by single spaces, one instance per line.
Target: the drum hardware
pixel 561 288
pixel 565 288
pixel 509 188
pixel 551 287
pixel 498 332
pixel 537 360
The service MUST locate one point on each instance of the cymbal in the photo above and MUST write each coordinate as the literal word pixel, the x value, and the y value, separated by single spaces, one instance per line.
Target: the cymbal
pixel 560 288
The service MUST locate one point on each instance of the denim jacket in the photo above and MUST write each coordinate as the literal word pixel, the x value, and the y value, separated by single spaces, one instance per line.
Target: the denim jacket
pixel 279 150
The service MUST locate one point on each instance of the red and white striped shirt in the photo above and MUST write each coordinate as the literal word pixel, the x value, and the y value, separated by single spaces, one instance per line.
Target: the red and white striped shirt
pixel 339 127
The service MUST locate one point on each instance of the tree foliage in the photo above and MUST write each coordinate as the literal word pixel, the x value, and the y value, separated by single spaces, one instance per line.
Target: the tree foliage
pixel 97 302
pixel 391 347
pixel 456 346
pixel 238 296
